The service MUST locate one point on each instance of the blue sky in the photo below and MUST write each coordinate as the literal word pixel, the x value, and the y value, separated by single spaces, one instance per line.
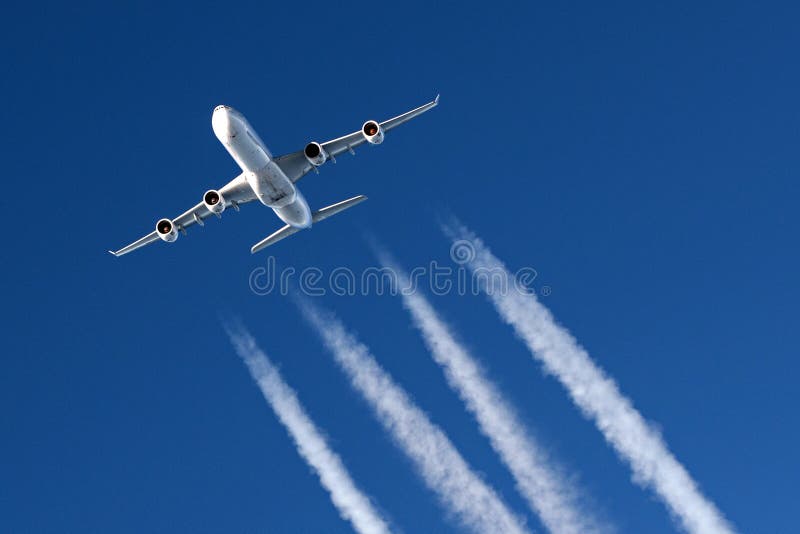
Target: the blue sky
pixel 643 159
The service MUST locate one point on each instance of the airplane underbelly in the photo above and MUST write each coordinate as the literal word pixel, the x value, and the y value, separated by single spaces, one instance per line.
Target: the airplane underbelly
pixel 269 183
pixel 272 187
pixel 296 213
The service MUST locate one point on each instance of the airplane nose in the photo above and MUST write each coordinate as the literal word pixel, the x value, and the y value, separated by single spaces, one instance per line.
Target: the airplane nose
pixel 222 123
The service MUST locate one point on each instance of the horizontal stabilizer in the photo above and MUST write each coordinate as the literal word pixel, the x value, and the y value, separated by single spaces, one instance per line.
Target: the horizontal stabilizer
pixel 283 233
pixel 333 209
pixel 316 216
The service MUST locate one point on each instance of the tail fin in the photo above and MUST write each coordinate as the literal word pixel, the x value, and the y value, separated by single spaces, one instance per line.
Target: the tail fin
pixel 317 216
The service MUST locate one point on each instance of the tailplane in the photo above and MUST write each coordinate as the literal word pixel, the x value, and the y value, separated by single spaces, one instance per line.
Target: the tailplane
pixel 319 215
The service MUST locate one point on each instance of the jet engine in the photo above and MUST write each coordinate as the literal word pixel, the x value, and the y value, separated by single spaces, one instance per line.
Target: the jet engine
pixel 372 132
pixel 166 230
pixel 214 201
pixel 315 154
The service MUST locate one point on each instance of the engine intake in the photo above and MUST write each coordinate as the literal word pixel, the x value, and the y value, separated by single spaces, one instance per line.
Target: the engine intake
pixel 166 230
pixel 315 154
pixel 214 201
pixel 372 132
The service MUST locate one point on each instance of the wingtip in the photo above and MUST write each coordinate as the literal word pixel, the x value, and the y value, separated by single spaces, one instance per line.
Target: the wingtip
pixel 113 253
pixel 436 100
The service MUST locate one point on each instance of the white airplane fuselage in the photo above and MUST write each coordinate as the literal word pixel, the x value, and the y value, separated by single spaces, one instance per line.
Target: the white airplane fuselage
pixel 269 183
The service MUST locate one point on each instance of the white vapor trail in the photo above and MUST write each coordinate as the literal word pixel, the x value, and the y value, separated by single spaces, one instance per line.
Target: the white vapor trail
pixel 596 394
pixel 352 505
pixel 537 477
pixel 459 489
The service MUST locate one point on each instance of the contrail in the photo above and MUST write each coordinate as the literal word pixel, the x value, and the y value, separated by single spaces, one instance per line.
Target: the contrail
pixel 591 390
pixel 536 476
pixel 460 490
pixel 352 505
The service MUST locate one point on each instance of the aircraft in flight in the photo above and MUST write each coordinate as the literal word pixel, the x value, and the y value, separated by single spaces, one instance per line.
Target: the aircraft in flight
pixel 270 180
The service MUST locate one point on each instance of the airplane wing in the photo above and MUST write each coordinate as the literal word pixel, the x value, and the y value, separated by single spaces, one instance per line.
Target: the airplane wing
pixel 295 165
pixel 235 193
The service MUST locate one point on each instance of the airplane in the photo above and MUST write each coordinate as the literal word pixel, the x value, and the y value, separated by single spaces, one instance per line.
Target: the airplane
pixel 270 180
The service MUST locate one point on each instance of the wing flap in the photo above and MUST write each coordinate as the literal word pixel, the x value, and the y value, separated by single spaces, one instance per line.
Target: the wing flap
pixel 139 243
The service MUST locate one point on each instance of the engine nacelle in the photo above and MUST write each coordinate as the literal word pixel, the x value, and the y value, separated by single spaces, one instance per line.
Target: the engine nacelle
pixel 372 132
pixel 315 154
pixel 166 230
pixel 214 201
